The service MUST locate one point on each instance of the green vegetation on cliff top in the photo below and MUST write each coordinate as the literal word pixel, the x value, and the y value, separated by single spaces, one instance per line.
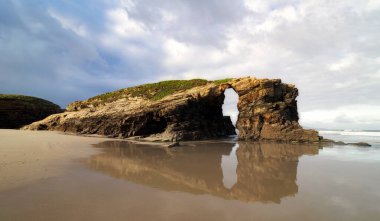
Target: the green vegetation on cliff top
pixel 153 91
pixel 222 81
pixel 28 100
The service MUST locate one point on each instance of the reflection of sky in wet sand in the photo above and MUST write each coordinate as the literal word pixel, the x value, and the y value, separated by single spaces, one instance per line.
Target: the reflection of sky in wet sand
pixel 229 166
pixel 353 154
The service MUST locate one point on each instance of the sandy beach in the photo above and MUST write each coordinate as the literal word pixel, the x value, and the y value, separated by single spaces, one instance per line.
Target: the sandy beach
pixel 54 176
pixel 29 156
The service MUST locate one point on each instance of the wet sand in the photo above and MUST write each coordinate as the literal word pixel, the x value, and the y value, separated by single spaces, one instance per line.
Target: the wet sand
pixel 118 180
pixel 30 156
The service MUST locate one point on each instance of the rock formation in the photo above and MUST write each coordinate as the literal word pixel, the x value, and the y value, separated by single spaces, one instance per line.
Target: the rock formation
pixel 18 110
pixel 265 172
pixel 187 110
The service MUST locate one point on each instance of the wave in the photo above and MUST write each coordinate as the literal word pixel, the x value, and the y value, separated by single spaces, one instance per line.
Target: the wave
pixel 351 133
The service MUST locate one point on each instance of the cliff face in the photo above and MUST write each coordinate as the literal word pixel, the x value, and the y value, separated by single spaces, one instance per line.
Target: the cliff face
pixel 268 111
pixel 18 110
pixel 190 111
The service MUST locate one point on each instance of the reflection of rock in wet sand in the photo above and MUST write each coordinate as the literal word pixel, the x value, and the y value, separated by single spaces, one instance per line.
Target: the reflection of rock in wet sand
pixel 265 172
pixel 268 172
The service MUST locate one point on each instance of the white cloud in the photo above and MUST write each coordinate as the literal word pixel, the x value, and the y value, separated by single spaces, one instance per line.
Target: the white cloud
pixel 344 63
pixel 373 5
pixel 256 6
pixel 345 117
pixel 120 23
pixel 191 58
pixel 69 23
pixel 345 84
pixel 278 18
pixel 127 38
pixel 168 16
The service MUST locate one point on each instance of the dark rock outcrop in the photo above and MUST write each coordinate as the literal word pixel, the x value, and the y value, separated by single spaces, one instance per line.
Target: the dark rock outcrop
pixel 18 110
pixel 267 111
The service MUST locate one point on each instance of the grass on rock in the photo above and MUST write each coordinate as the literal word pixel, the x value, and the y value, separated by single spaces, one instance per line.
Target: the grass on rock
pixel 28 100
pixel 152 91
pixel 222 81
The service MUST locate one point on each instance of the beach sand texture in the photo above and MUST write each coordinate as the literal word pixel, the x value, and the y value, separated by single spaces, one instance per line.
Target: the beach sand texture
pixel 29 156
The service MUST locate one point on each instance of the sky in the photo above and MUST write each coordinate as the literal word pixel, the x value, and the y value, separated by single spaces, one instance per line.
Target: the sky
pixel 71 50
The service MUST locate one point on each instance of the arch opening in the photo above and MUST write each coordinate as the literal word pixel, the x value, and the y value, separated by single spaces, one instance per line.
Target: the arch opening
pixel 229 106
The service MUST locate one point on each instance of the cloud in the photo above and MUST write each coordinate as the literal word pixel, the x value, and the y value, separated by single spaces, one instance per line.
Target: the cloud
pixel 59 53
pixel 122 25
pixel 345 117
pixel 65 51
pixel 69 24
pixel 195 22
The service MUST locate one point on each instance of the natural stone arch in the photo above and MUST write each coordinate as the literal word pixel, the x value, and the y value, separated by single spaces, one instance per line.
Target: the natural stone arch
pixel 267 111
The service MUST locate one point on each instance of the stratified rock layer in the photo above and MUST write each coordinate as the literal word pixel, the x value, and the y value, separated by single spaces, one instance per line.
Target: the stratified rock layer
pixel 267 111
pixel 18 110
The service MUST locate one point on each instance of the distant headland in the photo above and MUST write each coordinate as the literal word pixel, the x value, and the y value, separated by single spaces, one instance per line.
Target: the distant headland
pixel 19 110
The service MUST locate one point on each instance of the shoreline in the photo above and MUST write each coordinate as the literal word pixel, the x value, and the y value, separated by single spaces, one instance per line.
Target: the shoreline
pixel 324 142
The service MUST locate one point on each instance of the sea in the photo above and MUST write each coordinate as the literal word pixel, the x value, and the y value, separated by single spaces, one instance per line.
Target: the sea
pixel 353 136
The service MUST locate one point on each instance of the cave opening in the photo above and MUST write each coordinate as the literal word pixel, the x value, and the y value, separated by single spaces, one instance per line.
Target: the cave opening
pixel 153 125
pixel 230 106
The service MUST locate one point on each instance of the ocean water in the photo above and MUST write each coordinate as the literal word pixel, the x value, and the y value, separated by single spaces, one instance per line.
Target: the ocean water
pixel 351 136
